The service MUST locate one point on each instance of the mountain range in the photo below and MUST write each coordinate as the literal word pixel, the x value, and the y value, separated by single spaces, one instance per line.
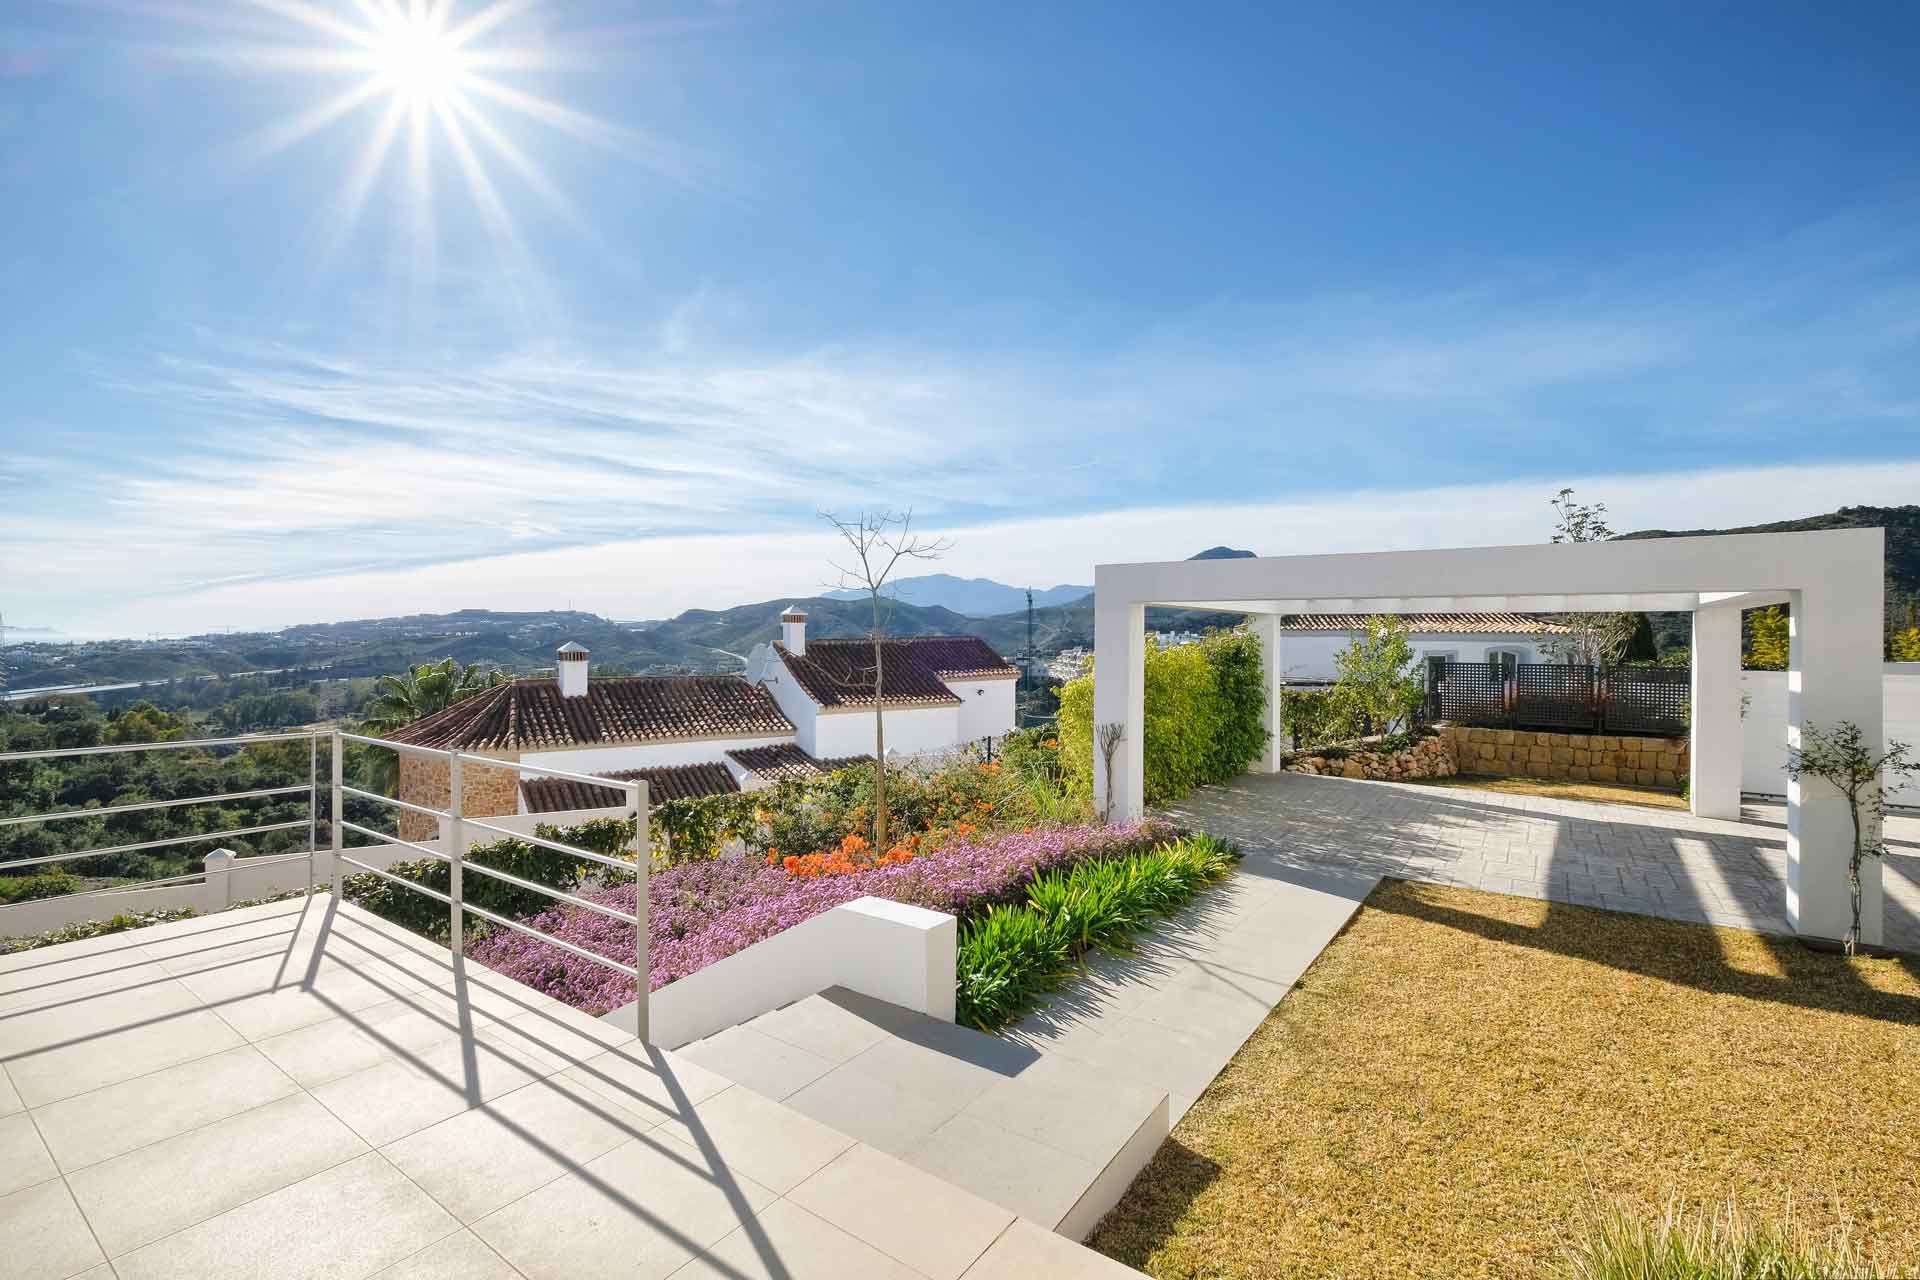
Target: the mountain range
pixel 974 597
pixel 719 639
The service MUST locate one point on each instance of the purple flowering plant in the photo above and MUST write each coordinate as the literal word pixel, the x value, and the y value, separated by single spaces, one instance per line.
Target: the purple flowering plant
pixel 705 911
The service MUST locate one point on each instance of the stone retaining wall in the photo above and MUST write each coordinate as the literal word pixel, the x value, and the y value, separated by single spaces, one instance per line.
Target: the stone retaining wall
pixel 1428 758
pixel 425 780
pixel 1576 757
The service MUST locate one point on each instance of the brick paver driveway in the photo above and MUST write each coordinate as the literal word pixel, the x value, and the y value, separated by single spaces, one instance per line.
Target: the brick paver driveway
pixel 1630 858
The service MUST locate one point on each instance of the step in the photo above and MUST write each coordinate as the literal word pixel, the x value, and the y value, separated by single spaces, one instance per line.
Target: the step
pixel 1048 1137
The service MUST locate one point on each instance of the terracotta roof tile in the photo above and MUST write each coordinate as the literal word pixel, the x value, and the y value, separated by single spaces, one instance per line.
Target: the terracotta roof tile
pixel 664 783
pixel 786 760
pixel 839 673
pixel 961 658
pixel 531 714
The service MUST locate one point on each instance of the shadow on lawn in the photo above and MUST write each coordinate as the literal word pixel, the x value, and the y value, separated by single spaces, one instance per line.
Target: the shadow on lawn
pixel 1155 1204
pixel 1680 952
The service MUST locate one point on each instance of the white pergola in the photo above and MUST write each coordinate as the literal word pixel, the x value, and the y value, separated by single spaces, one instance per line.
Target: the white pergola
pixel 1833 581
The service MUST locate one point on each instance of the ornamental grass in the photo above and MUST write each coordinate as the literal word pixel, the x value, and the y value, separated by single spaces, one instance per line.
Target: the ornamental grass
pixel 706 911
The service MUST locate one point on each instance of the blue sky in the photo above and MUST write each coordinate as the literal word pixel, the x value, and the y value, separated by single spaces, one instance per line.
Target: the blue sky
pixel 1077 282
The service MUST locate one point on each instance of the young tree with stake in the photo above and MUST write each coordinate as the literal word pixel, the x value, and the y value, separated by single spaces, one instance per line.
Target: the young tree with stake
pixel 1841 757
pixel 878 541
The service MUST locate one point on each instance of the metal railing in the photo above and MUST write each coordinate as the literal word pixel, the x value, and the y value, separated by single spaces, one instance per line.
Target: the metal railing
pixel 310 822
pixel 455 854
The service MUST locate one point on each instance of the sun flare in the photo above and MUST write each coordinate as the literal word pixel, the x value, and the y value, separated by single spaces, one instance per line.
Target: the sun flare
pixel 414 56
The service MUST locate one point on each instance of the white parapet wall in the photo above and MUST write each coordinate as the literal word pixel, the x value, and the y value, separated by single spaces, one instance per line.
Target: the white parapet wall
pixel 888 950
pixel 1763 725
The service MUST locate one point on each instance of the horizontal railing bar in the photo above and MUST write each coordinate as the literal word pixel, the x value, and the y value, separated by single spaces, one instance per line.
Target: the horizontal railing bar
pixel 391 745
pixel 408 805
pixel 554 845
pixel 151 804
pixel 385 838
pixel 582 952
pixel 177 744
pixel 399 880
pixel 151 844
pixel 128 888
pixel 625 917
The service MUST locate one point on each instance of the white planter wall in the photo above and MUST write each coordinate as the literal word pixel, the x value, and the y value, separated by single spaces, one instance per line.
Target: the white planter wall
pixel 1763 765
pixel 901 954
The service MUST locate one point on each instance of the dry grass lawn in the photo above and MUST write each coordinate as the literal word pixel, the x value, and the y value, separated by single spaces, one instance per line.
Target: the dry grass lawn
pixel 1602 792
pixel 1462 1076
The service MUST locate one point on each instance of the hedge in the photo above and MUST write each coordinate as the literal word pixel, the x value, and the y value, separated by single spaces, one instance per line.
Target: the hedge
pixel 1205 717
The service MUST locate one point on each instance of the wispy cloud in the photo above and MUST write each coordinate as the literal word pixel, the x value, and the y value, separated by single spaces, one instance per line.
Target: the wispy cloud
pixel 328 468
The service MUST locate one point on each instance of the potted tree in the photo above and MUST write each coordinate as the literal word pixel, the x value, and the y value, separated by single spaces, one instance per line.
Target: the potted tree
pixel 1841 757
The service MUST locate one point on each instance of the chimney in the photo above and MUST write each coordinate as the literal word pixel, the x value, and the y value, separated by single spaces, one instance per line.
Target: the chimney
pixel 793 631
pixel 570 669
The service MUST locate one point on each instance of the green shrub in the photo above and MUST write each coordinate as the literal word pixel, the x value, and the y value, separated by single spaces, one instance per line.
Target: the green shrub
pixel 94 928
pixel 1616 1245
pixel 46 884
pixel 1205 718
pixel 1012 956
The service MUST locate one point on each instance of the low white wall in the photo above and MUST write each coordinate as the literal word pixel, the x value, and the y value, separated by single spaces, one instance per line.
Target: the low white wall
pixel 227 881
pixel 910 731
pixel 1308 656
pixel 888 950
pixel 1763 758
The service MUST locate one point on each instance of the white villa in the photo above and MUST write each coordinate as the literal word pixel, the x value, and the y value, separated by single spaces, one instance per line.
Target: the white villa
pixel 1309 642
pixel 800 710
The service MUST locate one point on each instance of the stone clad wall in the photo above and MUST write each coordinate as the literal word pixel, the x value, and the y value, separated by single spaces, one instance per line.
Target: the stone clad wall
pixel 1576 757
pixel 485 792
pixel 1428 758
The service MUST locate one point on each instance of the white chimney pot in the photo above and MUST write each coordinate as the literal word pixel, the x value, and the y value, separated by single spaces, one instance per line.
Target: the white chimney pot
pixel 793 632
pixel 570 669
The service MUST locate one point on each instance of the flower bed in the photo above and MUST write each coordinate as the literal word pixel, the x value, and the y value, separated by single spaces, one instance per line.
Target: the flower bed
pixel 706 911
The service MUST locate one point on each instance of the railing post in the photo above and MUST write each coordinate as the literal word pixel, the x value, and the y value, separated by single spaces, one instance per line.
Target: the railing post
pixel 217 882
pixel 456 922
pixel 339 815
pixel 313 806
pixel 642 870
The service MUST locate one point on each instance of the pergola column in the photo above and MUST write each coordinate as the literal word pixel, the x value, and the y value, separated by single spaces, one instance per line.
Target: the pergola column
pixel 1717 745
pixel 1266 626
pixel 1833 674
pixel 1119 697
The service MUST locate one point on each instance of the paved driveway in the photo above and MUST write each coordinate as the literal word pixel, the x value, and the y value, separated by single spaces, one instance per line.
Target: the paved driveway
pixel 1630 858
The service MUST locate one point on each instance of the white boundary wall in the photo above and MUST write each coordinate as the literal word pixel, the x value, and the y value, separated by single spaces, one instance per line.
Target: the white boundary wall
pixel 888 950
pixel 1764 727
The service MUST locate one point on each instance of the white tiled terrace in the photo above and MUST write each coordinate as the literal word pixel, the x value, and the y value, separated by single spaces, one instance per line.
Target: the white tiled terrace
pixel 298 1090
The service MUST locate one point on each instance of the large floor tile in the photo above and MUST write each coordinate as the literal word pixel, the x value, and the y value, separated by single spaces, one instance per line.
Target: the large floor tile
pixel 1016 1173
pixel 258 1001
pixel 143 1195
pixel 23 1157
pixel 64 1019
pixel 770 1067
pixel 785 1242
pixel 387 1102
pixel 109 1056
pixel 397 1030
pixel 770 1143
pixel 10 1101
pixel 43 1236
pixel 655 1084
pixel 933 1227
pixel 462 1256
pixel 492 1155
pixel 97 1126
pixel 1067 1105
pixel 636 1212
pixel 821 1027
pixel 348 1222
pixel 877 1112
pixel 1025 1250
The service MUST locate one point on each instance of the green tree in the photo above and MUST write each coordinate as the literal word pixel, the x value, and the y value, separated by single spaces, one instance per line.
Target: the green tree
pixel 1841 757
pixel 1641 646
pixel 415 693
pixel 1904 645
pixel 1593 639
pixel 144 722
pixel 1376 681
pixel 1767 640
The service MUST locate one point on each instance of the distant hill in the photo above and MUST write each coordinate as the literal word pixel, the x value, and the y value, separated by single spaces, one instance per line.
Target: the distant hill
pixel 1221 553
pixel 974 597
pixel 1903 546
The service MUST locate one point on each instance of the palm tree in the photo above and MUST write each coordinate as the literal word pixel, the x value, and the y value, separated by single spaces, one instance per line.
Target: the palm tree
pixel 414 694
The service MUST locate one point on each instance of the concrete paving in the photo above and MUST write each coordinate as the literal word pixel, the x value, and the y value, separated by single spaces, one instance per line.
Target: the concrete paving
pixel 1621 856
pixel 292 1090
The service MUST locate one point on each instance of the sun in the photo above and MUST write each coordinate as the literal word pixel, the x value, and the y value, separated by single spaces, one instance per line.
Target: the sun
pixel 444 92
pixel 417 60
